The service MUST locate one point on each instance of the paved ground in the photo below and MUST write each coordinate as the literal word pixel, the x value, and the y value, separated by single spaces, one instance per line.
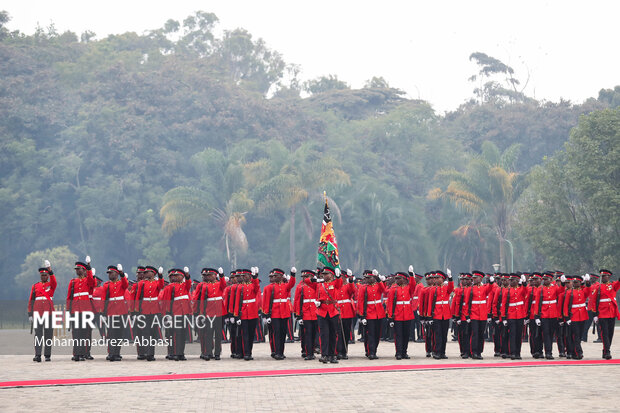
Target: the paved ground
pixel 582 388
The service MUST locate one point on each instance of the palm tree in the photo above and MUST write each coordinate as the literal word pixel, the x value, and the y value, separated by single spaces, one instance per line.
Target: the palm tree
pixel 221 197
pixel 286 180
pixel 487 190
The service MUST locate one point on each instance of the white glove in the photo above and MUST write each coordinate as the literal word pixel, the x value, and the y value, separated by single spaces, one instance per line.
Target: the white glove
pixel 491 279
pixel 411 268
pixel 364 321
pixel 596 319
pixel 87 259
pixel 220 271
pixel 445 283
pixel 254 270
pixel 94 271
pixel 293 270
pixel 167 319
pixel 449 272
pixel 375 272
pixel 30 319
pixel 317 303
pixel 458 322
pixel 226 279
pixel 561 323
pixel 126 275
pixel 488 320
pixel 586 277
pixel 160 270
pixel 287 277
pixel 268 320
pixel 568 322
pixel 227 321
pixel 538 322
pixel 523 278
pixel 186 270
pixel 239 322
pixel 392 324
pixel 47 264
pixel 349 272
pixel 337 272
pixel 382 278
pixel 469 320
pixel 526 321
pixel 430 322
pixel 301 322
pixel 563 278
pixel 119 267
pixel 505 322
pixel 496 321
pixel 232 320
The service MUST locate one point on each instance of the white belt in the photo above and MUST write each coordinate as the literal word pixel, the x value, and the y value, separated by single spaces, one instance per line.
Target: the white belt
pixel 579 305
pixel 45 298
pixel 343 301
pixel 403 302
pixel 90 296
pixel 374 302
pixel 117 298
pixel 214 298
pixel 550 302
pixel 442 302
pixel 415 297
pixel 605 300
pixel 515 304
pixel 277 300
pixel 97 298
pixel 182 297
pixel 250 301
pixel 479 302
pixel 79 294
pixel 310 301
pixel 149 299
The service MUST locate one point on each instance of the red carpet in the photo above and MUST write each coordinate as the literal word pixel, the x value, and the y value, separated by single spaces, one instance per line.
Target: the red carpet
pixel 297 372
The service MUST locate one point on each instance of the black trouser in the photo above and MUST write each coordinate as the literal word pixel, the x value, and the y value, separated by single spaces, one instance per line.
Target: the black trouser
pixel 43 337
pixel 536 340
pixel 561 334
pixel 116 333
pixel 576 333
pixel 463 332
pixel 478 328
pixel 210 328
pixel 279 327
pixel 373 335
pixel 441 327
pixel 272 340
pixel 548 327
pixel 606 327
pixel 180 332
pixel 149 332
pixel 497 337
pixel 505 339
pixel 343 342
pixel 401 336
pixel 308 331
pixel 247 336
pixel 429 342
pixel 328 334
pixel 586 326
pixel 515 336
pixel 79 333
pixel 232 330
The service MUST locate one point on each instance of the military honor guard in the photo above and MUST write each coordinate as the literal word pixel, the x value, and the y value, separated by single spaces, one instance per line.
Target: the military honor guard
pixel 39 303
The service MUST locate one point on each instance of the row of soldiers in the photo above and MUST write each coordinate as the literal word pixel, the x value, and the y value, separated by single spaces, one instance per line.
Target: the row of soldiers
pixel 326 303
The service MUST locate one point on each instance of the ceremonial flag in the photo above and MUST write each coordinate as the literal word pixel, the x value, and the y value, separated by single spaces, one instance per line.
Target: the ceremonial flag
pixel 328 247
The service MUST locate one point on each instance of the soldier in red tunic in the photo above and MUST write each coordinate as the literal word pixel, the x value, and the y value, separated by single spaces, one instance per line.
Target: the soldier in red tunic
pixel 277 309
pixel 209 306
pixel 79 302
pixel 115 309
pixel 438 301
pixel 246 310
pixel 605 308
pixel 305 310
pixel 146 305
pixel 371 311
pixel 513 314
pixel 576 314
pixel 39 303
pixel 546 311
pixel 460 314
pixel 400 311
pixel 176 305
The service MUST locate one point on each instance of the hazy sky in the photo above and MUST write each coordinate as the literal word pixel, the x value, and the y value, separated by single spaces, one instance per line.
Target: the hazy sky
pixel 421 47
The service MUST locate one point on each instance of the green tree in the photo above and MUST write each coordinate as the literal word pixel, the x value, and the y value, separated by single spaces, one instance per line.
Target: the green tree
pixel 487 190
pixel 62 260
pixel 325 83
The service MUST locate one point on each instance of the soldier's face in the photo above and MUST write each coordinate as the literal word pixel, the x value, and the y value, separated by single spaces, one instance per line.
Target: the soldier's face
pixel 605 278
pixel 546 281
pixel 210 277
pixel 247 278
pixel 576 283
pixel 400 281
pixel 477 280
pixel 80 272
pixel 514 282
pixel 327 276
pixel 112 275
pixel 44 277
pixel 149 275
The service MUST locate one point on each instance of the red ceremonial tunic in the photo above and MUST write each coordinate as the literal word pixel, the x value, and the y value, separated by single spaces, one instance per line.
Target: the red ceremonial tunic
pixel 41 295
pixel 514 303
pixel 305 302
pixel 276 299
pixel 603 300
pixel 208 298
pixel 369 301
pixel 575 304
pixel 438 301
pixel 247 300
pixel 400 301
pixel 78 293
pixel 114 299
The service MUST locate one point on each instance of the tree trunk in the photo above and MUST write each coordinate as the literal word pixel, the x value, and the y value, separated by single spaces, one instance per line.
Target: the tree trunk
pixel 292 237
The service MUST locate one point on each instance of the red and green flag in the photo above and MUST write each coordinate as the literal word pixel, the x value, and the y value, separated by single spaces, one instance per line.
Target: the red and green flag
pixel 328 247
